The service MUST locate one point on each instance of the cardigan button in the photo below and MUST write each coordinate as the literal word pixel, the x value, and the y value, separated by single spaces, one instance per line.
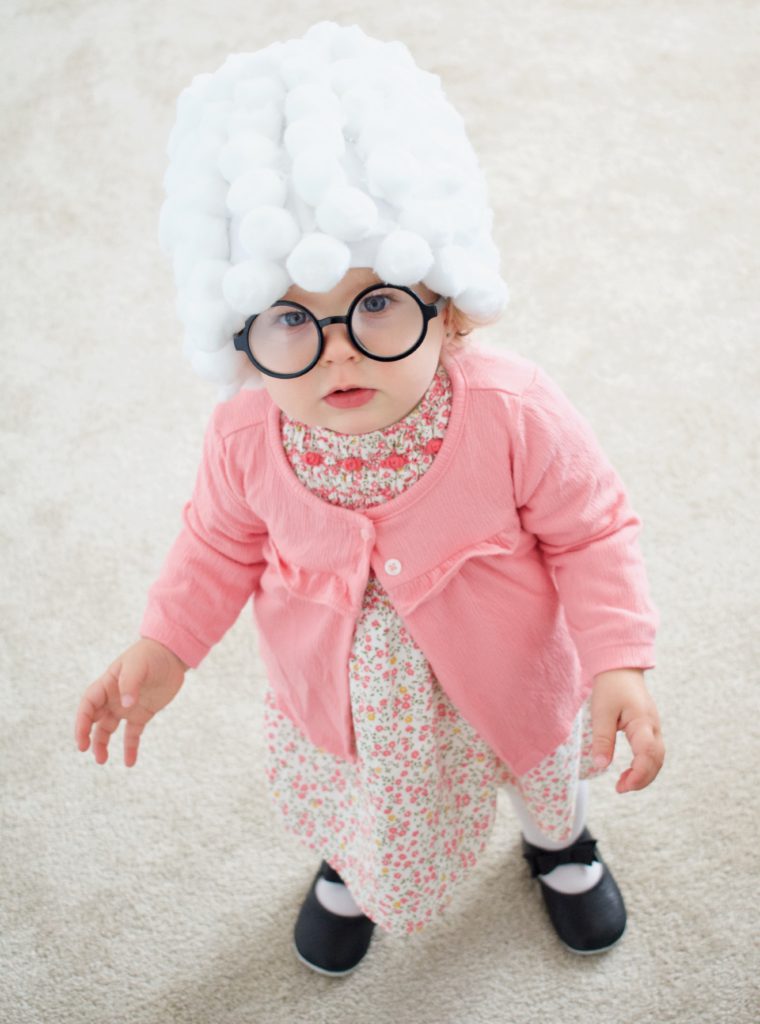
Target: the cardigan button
pixel 393 567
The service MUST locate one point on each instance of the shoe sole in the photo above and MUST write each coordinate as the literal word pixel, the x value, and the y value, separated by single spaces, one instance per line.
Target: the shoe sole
pixel 593 952
pixel 321 970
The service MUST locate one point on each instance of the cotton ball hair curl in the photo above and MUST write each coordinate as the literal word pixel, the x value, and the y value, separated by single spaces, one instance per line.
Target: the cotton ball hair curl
pixel 295 163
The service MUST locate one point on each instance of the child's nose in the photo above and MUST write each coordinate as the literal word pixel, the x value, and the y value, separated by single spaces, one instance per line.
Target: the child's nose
pixel 338 346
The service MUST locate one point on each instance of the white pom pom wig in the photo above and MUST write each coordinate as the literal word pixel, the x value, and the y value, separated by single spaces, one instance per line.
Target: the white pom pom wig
pixel 293 164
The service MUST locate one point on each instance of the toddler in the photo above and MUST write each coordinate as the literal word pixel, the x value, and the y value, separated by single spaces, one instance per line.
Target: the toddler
pixel 444 568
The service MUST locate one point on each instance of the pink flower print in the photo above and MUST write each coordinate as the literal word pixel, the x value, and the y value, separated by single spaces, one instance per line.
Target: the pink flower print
pixel 313 459
pixel 394 461
pixel 353 464
pixel 433 446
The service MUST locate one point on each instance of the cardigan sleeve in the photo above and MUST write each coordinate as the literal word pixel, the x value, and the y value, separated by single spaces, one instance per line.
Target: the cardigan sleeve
pixel 214 565
pixel 572 500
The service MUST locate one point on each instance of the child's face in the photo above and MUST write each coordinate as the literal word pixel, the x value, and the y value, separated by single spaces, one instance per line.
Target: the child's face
pixel 395 388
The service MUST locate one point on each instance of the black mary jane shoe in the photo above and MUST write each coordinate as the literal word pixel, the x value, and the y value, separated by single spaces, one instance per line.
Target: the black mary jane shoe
pixel 586 922
pixel 330 943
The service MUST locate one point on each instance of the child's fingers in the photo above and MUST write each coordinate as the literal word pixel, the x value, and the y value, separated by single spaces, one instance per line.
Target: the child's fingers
pixel 91 707
pixel 104 729
pixel 648 755
pixel 604 725
pixel 132 733
pixel 642 771
pixel 83 723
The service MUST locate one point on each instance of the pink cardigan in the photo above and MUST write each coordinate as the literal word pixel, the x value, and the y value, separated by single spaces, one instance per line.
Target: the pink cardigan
pixel 514 563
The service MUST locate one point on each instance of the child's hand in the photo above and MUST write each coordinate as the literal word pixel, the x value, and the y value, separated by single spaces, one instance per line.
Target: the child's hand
pixel 620 700
pixel 139 683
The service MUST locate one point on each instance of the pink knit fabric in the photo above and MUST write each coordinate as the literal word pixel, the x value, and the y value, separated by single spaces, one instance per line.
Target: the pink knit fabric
pixel 513 563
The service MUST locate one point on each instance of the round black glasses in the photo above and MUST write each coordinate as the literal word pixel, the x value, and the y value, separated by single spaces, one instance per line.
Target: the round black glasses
pixel 385 322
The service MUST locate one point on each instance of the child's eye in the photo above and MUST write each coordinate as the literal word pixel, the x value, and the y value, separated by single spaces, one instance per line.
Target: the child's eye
pixel 288 321
pixel 376 303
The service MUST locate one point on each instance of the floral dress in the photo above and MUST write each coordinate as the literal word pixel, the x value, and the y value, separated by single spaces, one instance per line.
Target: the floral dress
pixel 405 822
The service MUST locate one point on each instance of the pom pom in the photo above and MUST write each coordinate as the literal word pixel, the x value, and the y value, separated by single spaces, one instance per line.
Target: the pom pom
pixel 183 262
pixel 303 213
pixel 254 92
pixel 318 262
pixel 314 132
pixel 360 105
pixel 351 42
pixel 207 278
pixel 261 65
pixel 346 74
pixel 204 281
pixel 485 297
pixel 194 156
pixel 209 321
pixel 314 173
pixel 260 187
pixel 403 258
pixel 238 66
pixel 380 130
pixel 209 324
pixel 269 232
pixel 217 86
pixel 397 53
pixel 254 285
pixel 312 100
pixel 447 178
pixel 347 213
pixel 206 194
pixel 189 106
pixel 431 219
pixel 223 367
pixel 364 252
pixel 178 175
pixel 213 121
pixel 246 151
pixel 202 85
pixel 264 120
pixel 198 234
pixel 450 273
pixel 465 218
pixel 323 34
pixel 392 173
pixel 301 61
pixel 310 157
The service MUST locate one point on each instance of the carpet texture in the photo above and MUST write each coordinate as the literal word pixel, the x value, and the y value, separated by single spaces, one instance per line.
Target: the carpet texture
pixel 620 144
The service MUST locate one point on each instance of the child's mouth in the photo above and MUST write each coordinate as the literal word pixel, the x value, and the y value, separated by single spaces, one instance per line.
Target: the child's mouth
pixel 351 398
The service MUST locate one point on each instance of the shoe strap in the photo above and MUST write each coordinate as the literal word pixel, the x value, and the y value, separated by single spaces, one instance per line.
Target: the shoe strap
pixel 583 851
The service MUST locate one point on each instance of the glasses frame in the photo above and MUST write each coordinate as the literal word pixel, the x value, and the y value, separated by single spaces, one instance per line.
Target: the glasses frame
pixel 429 310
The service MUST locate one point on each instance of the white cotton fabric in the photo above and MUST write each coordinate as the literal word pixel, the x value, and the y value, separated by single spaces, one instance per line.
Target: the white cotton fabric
pixel 295 163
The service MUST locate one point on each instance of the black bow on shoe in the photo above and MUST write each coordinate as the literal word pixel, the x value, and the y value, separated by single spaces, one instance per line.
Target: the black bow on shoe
pixel 583 851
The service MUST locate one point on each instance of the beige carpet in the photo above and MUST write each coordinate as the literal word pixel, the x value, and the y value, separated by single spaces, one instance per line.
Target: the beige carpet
pixel 620 143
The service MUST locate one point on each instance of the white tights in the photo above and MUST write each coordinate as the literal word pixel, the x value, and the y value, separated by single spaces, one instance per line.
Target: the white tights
pixel 336 897
pixel 568 878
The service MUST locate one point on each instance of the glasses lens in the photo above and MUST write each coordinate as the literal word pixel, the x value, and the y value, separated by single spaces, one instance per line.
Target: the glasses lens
pixel 284 339
pixel 387 321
